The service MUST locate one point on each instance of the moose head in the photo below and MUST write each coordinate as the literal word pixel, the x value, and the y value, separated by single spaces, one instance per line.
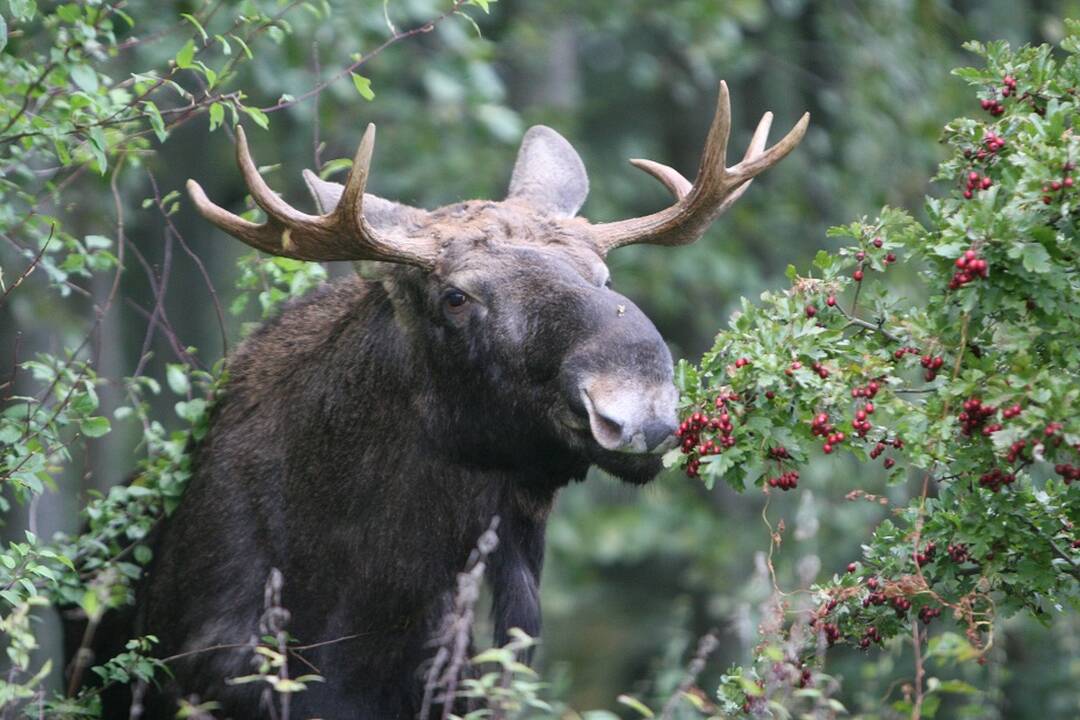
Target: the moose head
pixel 510 303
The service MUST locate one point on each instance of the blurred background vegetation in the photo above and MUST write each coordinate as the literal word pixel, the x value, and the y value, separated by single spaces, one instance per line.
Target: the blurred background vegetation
pixel 633 577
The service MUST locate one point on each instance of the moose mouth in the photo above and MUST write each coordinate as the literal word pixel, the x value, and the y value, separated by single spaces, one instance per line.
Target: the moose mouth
pixel 636 468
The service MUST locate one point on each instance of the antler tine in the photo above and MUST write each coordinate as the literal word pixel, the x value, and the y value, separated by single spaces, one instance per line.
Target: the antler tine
pixel 716 188
pixel 680 187
pixel 672 179
pixel 343 234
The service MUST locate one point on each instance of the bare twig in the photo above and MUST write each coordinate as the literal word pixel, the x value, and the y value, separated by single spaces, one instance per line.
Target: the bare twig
pixel 352 67
pixel 456 634
pixel 852 320
pixel 198 263
pixel 29 268
pixel 705 648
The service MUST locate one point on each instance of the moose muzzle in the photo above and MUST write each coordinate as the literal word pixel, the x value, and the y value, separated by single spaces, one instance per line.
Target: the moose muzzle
pixel 630 415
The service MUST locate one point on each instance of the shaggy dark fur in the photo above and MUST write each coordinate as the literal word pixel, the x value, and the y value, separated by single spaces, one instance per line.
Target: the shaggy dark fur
pixel 366 438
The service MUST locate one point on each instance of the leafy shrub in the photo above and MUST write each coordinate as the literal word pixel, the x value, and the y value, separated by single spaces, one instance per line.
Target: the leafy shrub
pixel 969 387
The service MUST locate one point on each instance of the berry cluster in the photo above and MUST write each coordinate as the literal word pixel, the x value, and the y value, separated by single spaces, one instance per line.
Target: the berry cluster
pixel 875 596
pixel 926 555
pixel 692 428
pixel 976 182
pixel 969 266
pixel 1068 472
pixel 928 613
pixel 994 106
pixel 901 352
pixel 974 415
pixel 993 143
pixel 821 370
pixel 1058 186
pixel 1012 411
pixel 958 553
pixel 742 362
pixel 821 427
pixel 932 363
pixel 1015 449
pixel 861 423
pixel 901 605
pixel 785 481
pixel 996 479
pixel 868 392
pixel 831 630
pixel 871 635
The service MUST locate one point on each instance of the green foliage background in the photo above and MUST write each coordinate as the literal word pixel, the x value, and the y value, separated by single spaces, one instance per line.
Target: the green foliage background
pixel 632 576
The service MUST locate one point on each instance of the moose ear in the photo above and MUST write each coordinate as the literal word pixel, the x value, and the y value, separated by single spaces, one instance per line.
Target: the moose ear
pixel 549 173
pixel 377 211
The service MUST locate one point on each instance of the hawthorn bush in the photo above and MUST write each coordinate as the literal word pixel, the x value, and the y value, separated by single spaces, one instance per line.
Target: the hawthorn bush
pixel 969 387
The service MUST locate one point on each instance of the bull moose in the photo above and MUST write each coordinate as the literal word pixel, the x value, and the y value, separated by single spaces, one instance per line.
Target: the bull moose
pixel 367 435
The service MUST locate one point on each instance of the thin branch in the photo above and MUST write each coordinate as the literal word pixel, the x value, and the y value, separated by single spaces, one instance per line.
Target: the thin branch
pixel 198 263
pixel 345 71
pixel 29 268
pixel 706 647
pixel 852 320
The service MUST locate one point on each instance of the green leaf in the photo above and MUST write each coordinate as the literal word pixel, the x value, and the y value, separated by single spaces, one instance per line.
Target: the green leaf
pixel 634 704
pixel 217 115
pixel 157 123
pixel 258 116
pixel 99 146
pixel 85 78
pixel 177 378
pixel 3 33
pixel 363 86
pixel 186 55
pixel 198 26
pixel 90 604
pixel 94 427
pixel 192 410
pixel 1035 258
pixel 23 9
pixel 69 13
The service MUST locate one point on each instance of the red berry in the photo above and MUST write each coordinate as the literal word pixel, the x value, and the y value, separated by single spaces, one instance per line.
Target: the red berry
pixel 830 301
pixel 811 311
pixel 878 242
pixel 857 275
pixel 852 567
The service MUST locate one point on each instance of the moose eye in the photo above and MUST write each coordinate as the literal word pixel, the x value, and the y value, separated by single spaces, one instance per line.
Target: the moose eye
pixel 455 300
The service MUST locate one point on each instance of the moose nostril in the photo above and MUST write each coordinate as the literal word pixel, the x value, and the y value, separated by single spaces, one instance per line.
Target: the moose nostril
pixel 607 430
pixel 657 431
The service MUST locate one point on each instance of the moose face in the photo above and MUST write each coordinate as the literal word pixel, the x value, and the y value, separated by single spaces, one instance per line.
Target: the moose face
pixel 519 316
pixel 511 301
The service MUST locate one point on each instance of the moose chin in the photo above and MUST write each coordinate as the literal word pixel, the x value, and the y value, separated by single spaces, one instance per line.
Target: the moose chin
pixel 368 434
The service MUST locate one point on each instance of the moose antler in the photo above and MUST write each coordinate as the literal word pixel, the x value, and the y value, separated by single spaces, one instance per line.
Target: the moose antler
pixel 342 234
pixel 716 188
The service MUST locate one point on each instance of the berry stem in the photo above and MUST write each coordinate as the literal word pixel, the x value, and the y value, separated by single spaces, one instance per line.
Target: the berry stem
pixel 852 320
